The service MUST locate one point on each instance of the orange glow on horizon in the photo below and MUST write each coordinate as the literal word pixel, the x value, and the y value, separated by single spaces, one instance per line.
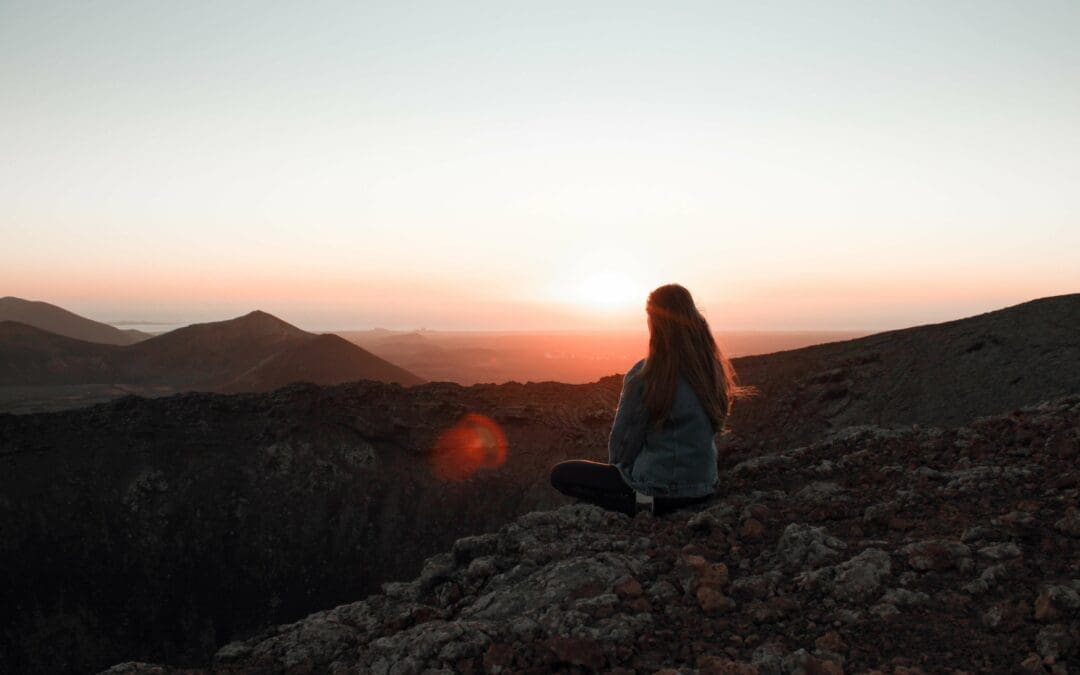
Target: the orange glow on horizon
pixel 580 298
pixel 475 442
pixel 605 290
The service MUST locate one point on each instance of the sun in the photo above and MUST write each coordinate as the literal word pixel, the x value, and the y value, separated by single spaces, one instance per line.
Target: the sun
pixel 607 290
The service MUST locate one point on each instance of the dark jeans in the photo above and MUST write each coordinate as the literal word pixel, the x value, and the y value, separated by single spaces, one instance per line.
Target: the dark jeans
pixel 601 484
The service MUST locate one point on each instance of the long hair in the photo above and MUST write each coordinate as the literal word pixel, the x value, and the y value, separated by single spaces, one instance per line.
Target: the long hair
pixel 680 342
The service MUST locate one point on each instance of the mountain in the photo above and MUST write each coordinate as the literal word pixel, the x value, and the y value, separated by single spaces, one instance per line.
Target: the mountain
pixel 31 356
pixel 62 322
pixel 940 374
pixel 212 517
pixel 254 352
pixel 326 359
pixel 207 355
pixel 902 551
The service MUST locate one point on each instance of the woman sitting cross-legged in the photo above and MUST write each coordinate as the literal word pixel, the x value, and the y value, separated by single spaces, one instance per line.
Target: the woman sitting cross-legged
pixel 662 450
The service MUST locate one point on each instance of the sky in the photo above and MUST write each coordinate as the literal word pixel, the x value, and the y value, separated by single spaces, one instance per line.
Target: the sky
pixel 543 165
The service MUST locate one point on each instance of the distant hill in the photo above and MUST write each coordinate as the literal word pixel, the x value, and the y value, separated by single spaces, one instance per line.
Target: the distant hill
pixel 254 352
pixel 62 322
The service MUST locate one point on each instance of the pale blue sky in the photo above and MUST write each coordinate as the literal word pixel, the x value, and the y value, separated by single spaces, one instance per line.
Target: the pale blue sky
pixel 528 165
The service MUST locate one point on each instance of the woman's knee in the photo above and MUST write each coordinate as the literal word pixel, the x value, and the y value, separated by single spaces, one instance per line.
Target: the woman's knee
pixel 559 474
pixel 574 475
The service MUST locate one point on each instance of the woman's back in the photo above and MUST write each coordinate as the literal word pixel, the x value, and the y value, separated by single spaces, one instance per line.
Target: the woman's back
pixel 679 458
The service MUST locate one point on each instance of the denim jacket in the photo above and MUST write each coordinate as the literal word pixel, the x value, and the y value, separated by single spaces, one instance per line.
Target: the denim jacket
pixel 678 460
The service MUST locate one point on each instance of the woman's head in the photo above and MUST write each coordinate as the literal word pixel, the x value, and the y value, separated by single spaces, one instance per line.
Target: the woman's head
pixel 680 342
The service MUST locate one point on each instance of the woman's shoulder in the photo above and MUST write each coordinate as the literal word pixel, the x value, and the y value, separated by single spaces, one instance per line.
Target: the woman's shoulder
pixel 634 370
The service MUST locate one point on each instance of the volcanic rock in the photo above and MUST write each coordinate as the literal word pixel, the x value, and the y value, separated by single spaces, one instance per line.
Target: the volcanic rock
pixel 889 603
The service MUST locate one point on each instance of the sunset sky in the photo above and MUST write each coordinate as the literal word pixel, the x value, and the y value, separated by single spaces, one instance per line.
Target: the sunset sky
pixel 543 165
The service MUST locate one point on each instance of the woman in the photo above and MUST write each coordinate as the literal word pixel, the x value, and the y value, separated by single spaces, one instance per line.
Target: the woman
pixel 661 450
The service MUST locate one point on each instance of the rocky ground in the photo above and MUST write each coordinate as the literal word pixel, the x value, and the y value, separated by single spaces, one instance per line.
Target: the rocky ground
pixel 913 550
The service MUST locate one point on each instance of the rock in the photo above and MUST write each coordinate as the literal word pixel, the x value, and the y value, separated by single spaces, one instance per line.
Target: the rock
pixel 714 575
pixel 481 568
pixel 769 659
pixel 711 600
pixel 558 582
pixel 903 597
pixel 902 524
pixel 662 591
pixel 831 642
pixel 694 572
pixel 577 651
pixel 1070 523
pixel 854 580
pixel 820 492
pixel 136 668
pixel 755 586
pixel 1006 614
pixel 1056 601
pixel 599 606
pixel 1063 445
pixel 1053 642
pixel 686 572
pixel 627 587
pixel 801 545
pixel 880 514
pixel 800 661
pixel 1004 551
pixel 884 610
pixel 816 666
pixel 499 658
pixel 938 555
pixel 991 577
pixel 979 533
pixel 716 665
pixel 1032 664
pixel 233 651
pixel 402 590
pixel 1017 523
pixel 703 521
pixel 760 464
pixel 436 569
pixel 447 594
pixel 752 529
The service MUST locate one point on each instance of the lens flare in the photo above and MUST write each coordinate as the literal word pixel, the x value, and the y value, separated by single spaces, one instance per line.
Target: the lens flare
pixel 475 442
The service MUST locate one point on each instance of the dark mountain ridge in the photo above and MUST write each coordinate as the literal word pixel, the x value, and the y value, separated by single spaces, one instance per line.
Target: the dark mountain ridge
pixel 213 515
pixel 60 321
pixel 254 352
pixel 940 374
